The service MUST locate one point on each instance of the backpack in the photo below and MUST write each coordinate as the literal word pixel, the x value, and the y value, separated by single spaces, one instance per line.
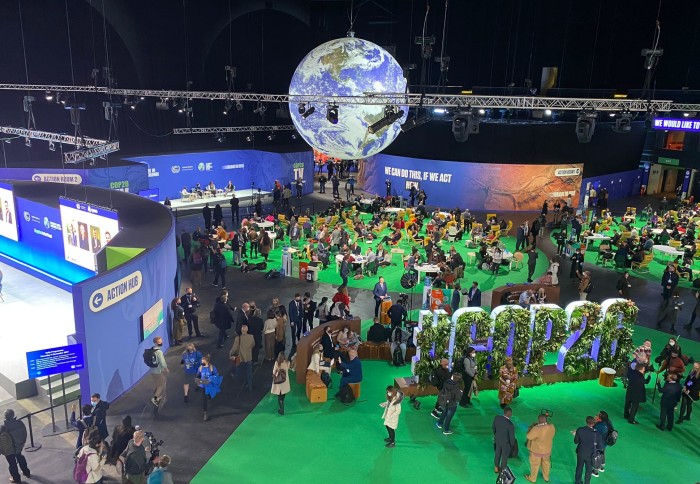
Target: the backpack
pixel 132 467
pixel 589 288
pixel 273 274
pixel 279 377
pixel 7 445
pixel 345 394
pixel 397 357
pixel 458 365
pixel 326 379
pixel 80 472
pixel 611 439
pixel 150 358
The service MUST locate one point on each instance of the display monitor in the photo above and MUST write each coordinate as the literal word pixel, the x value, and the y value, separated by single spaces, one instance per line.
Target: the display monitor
pixel 86 230
pixel 8 221
pixel 151 319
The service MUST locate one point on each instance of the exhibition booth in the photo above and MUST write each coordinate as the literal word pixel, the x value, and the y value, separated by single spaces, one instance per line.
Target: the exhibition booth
pixel 83 266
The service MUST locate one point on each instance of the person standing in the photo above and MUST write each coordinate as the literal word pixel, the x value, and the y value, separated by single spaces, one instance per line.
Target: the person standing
pixel 135 460
pixel 603 427
pixel 636 392
pixel 669 281
pixel 520 241
pixel 235 205
pixel 474 296
pixel 322 180
pixel 347 190
pixel 17 430
pixel 309 307
pixel 218 215
pixel 299 186
pixel 397 314
pixel 623 285
pixel 280 381
pixel 99 412
pixel 179 321
pixel 186 241
pixel 209 381
pixel 438 378
pixel 158 373
pixel 531 261
pixel 387 184
pixel 412 192
pixel 670 395
pixel 540 437
pixel 585 286
pixel 206 213
pixel 576 264
pixel 223 318
pixel 235 243
pixel 561 241
pixel 269 328
pixel 191 360
pixel 335 182
pixel 508 382
pixel 190 303
pixel 243 349
pixel 219 268
pixel 392 411
pixel 255 328
pixel 450 396
pixel 121 435
pixel 380 294
pixel 503 439
pixel 468 375
pixel 345 269
pixel 694 314
pixel 160 475
pixel 96 453
pixel 296 315
pixel 691 393
pixel 588 442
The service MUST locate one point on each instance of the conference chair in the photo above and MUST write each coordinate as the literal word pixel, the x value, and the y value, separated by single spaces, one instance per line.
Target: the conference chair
pixel 517 261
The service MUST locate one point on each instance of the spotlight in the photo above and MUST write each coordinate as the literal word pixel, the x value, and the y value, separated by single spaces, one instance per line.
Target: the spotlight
pixel 294 136
pixel 685 115
pixel 332 114
pixel 612 115
pixel 309 112
pixel 547 112
pixel 414 121
pixel 463 124
pixel 239 106
pixel 27 142
pixel 250 137
pixel 227 106
pixel 483 111
pixel 623 124
pixel 391 115
pixel 585 126
pixel 260 109
pixel 162 106
pixel 302 108
pixel 133 106
pixel 52 147
pixel 439 111
pixel 220 138
pixel 49 96
pixel 271 136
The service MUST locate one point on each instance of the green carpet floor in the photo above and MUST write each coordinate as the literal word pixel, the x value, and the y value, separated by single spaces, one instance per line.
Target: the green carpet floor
pixel 393 273
pixel 339 443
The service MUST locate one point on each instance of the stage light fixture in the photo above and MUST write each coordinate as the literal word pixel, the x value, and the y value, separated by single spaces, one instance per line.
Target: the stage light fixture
pixel 612 115
pixel 391 115
pixel 220 138
pixel 260 110
pixel 685 115
pixel 28 142
pixel 239 106
pixel 294 136
pixel 439 111
pixel 585 126
pixel 271 136
pixel 133 106
pixel 302 108
pixel 547 112
pixel 162 106
pixel 623 124
pixel 250 137
pixel 483 111
pixel 52 146
pixel 49 96
pixel 413 122
pixel 332 113
pixel 227 107
pixel 463 124
pixel 309 112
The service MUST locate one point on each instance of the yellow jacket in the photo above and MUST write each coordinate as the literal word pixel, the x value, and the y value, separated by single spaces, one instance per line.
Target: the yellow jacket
pixel 539 439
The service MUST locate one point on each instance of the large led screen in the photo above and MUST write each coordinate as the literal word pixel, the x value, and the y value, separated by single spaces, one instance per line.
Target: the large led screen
pixel 86 230
pixel 8 221
pixel 151 319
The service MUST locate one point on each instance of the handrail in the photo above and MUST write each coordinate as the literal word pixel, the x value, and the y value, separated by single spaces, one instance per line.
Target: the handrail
pixel 32 447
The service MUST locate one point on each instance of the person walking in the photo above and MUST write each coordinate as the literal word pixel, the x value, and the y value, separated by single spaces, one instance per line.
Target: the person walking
pixel 95 452
pixel 691 393
pixel 99 412
pixel 588 442
pixel 296 316
pixel 576 270
pixel 223 319
pixel 450 396
pixel 531 262
pixel 345 270
pixel 15 460
pixel 508 382
pixel 438 378
pixel 603 427
pixel 280 381
pixel 265 244
pixel 158 373
pixel 636 392
pixel 540 437
pixel 670 395
pixel 219 268
pixel 503 439
pixel 468 376
pixel 191 360
pixel 392 411
pixel 623 285
pixel 209 381
pixel 242 350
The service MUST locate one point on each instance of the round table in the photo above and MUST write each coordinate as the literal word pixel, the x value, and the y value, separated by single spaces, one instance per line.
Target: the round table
pixel 265 225
pixel 668 250
pixel 393 210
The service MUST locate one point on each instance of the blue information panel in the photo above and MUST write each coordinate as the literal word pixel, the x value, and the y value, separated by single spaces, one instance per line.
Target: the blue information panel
pixel 55 360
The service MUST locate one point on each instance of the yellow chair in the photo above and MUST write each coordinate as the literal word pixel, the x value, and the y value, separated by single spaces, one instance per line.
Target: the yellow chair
pixel 676 244
pixel 281 217
pixel 489 216
pixel 644 265
pixel 504 232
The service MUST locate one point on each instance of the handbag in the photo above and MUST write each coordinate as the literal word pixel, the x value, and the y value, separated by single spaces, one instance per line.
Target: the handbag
pixel 597 457
pixel 236 360
pixel 279 377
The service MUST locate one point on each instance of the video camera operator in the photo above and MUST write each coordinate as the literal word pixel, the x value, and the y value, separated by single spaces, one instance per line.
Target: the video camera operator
pixel 397 312
pixel 540 436
pixel 190 303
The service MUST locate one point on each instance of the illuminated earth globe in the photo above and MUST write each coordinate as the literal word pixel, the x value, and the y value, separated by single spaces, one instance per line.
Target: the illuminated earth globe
pixel 346 67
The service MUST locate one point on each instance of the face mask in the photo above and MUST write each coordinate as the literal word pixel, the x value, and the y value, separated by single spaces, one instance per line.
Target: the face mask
pixel 672 343
pixel 388 394
pixel 93 403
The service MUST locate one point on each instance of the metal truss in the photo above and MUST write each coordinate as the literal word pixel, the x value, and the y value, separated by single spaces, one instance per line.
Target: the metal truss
pixel 78 156
pixel 232 129
pixel 403 99
pixel 78 142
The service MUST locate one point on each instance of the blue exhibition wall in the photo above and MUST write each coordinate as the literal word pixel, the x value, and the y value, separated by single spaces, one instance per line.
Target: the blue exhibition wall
pixel 39 251
pixel 108 309
pixel 127 178
pixel 169 173
pixel 620 185
pixel 474 186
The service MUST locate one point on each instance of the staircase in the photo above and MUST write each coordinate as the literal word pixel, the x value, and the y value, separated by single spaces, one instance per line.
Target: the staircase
pixel 72 383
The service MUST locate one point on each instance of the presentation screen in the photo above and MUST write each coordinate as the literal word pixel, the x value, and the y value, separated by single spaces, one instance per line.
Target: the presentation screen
pixel 151 319
pixel 86 229
pixel 8 221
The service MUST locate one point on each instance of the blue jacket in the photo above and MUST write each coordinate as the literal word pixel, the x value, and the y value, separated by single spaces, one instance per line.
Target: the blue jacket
pixel 603 429
pixel 379 290
pixel 476 298
pixel 352 371
pixel 191 362
pixel 212 388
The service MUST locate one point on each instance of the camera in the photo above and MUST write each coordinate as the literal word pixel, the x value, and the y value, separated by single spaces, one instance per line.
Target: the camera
pixel 154 444
pixel 403 299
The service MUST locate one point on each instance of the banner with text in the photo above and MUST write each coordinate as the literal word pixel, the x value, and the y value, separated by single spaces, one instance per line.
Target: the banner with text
pixel 131 179
pixel 476 186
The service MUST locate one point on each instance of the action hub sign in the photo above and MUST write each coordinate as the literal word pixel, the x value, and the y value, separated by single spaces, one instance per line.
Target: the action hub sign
pixel 106 296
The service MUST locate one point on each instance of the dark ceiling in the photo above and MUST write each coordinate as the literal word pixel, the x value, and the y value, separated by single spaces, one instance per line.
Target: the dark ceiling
pixel 163 44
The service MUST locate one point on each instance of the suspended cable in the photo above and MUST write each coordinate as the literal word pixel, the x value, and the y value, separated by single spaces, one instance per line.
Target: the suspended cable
pixel 70 47
pixel 230 36
pixel 563 50
pixel 595 46
pixel 24 49
pixel 92 35
pixel 517 39
pixel 443 62
pixel 146 132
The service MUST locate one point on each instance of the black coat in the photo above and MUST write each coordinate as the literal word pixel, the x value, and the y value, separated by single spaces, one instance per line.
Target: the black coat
pixel 255 327
pixel 451 394
pixel 586 440
pixel 377 333
pixel 100 413
pixel 692 384
pixel 670 394
pixel 17 431
pixel 503 431
pixel 327 344
pixel 224 316
pixel 636 392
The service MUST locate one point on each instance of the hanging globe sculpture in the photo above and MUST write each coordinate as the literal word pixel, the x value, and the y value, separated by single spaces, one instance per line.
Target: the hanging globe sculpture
pixel 347 67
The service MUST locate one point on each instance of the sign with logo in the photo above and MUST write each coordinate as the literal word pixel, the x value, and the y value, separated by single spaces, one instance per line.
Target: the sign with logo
pixel 672 124
pixel 175 169
pixel 662 160
pixel 298 171
pixel 204 166
pixel 567 171
pixel 117 291
pixel 153 172
pixel 69 178
pixel 52 361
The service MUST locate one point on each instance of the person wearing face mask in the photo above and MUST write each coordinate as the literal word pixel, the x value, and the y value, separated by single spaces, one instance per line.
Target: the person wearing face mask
pixel 690 393
pixel 99 411
pixel 190 361
pixel 666 353
pixel 392 411
pixel 209 380
pixel 468 376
